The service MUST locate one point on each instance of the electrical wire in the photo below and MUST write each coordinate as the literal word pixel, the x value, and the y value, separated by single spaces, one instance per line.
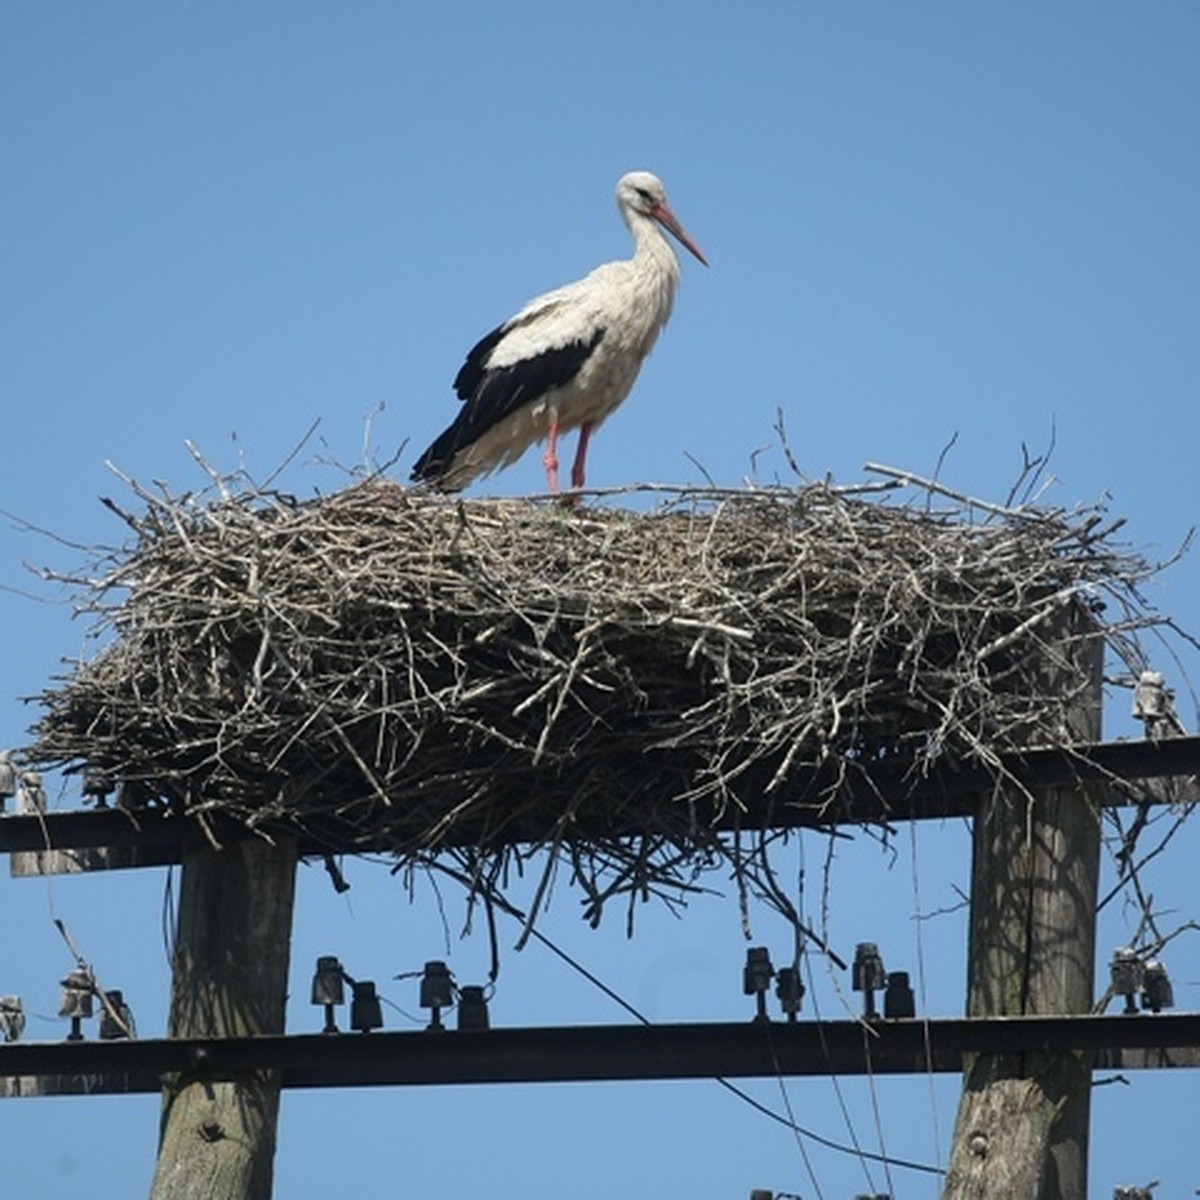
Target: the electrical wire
pixel 791 1116
pixel 833 1079
pixel 507 907
pixel 923 992
pixel 745 1097
pixel 862 1155
pixel 874 1094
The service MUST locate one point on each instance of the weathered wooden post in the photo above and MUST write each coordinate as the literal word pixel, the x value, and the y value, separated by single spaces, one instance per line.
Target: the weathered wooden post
pixel 1022 1125
pixel 229 980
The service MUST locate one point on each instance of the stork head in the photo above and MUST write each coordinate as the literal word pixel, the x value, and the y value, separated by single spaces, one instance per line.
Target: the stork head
pixel 643 194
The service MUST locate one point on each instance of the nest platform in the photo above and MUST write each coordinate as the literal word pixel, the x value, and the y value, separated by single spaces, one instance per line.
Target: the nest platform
pixel 472 678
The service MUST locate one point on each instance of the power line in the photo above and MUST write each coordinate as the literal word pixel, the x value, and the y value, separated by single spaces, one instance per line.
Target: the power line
pixel 921 983
pixel 745 1097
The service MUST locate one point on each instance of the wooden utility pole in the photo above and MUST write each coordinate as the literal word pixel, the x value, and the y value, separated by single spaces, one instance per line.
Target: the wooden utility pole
pixel 229 979
pixel 1022 1125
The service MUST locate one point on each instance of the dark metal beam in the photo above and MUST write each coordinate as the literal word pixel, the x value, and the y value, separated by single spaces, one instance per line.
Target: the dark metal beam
pixel 591 1053
pixel 868 793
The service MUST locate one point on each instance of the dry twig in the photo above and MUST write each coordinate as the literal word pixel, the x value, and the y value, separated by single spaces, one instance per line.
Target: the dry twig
pixel 384 667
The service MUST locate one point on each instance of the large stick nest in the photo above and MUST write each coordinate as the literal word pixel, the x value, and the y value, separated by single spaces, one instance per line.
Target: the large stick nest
pixel 385 668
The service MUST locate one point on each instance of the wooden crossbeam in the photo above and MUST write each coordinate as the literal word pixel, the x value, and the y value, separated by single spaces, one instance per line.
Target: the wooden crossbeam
pixel 867 794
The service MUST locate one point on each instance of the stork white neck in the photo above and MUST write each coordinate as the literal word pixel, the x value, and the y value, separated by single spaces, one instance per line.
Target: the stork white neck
pixel 642 202
pixel 651 246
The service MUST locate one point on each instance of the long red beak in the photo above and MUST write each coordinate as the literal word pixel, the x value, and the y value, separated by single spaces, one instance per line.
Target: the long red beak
pixel 666 218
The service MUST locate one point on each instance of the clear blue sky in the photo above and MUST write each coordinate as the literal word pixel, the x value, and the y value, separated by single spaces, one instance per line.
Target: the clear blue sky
pixel 223 222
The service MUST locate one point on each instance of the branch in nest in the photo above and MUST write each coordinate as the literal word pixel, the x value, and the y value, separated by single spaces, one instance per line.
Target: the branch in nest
pixel 386 664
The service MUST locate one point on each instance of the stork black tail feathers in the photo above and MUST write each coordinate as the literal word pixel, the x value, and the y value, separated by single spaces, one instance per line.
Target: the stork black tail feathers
pixel 432 466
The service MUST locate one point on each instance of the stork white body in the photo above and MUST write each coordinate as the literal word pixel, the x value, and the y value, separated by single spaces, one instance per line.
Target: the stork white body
pixel 568 358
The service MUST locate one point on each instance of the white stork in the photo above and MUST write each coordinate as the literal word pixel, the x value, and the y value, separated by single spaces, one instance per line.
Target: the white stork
pixel 568 358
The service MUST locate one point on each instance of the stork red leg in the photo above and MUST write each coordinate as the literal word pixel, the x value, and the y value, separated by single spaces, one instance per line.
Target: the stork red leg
pixel 585 433
pixel 550 458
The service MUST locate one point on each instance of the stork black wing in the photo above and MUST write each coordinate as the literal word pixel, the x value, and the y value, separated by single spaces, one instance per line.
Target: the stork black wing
pixel 470 374
pixel 491 394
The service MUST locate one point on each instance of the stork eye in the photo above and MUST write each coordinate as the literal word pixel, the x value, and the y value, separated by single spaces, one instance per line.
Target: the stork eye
pixel 644 195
